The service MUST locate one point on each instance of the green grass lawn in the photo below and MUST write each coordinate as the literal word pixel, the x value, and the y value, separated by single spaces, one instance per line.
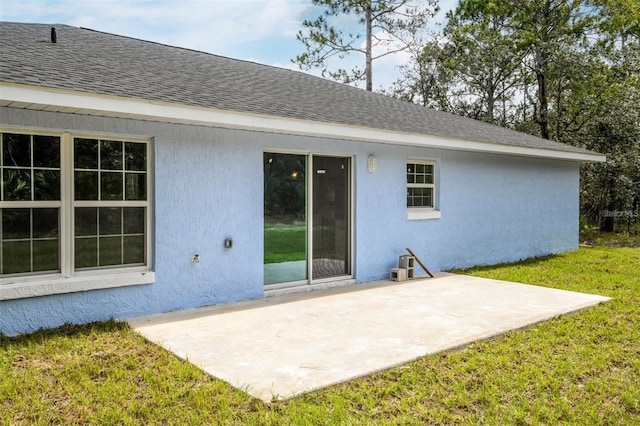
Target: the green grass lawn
pixel 285 244
pixel 579 369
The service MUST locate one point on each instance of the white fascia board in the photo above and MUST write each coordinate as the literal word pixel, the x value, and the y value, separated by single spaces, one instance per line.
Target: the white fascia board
pixel 39 98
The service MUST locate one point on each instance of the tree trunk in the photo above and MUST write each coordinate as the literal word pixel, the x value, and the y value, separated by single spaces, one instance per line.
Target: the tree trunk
pixel 543 120
pixel 504 106
pixel 490 108
pixel 368 55
pixel 607 224
pixel 491 99
pixel 608 221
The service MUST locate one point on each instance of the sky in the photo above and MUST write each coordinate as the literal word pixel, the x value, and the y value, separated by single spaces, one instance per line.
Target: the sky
pixel 261 31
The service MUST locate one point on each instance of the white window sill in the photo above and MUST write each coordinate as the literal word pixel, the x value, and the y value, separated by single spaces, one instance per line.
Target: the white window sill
pixel 23 288
pixel 422 214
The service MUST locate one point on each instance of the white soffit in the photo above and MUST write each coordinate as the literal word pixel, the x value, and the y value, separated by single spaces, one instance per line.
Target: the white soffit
pixel 38 98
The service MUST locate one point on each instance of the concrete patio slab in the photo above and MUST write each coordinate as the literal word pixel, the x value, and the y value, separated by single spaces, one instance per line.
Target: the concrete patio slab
pixel 278 347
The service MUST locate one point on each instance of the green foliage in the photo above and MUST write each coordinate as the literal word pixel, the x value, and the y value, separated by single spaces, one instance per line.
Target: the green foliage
pixel 386 26
pixel 620 19
pixel 567 70
pixel 16 185
pixel 612 97
pixel 284 187
pixel 427 80
pixel 537 33
pixel 580 369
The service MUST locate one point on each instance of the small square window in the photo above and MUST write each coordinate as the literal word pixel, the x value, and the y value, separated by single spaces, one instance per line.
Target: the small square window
pixel 421 184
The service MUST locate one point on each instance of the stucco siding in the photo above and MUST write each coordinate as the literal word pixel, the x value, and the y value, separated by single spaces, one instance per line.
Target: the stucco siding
pixel 208 186
pixel 493 209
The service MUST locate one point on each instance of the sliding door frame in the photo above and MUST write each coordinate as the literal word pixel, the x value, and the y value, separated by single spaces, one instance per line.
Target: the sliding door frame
pixel 309 218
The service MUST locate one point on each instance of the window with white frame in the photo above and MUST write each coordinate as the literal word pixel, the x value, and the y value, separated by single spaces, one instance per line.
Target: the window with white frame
pixel 421 186
pixel 71 204
pixel 30 203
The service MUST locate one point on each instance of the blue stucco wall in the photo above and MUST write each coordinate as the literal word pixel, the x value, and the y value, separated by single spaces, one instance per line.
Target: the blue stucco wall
pixel 208 186
pixel 494 209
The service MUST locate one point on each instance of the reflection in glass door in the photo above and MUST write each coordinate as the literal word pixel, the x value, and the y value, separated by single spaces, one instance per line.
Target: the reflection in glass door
pixel 285 218
pixel 331 217
pixel 293 254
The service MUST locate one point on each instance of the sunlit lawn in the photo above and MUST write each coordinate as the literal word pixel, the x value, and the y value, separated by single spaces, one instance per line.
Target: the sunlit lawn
pixel 580 369
pixel 284 244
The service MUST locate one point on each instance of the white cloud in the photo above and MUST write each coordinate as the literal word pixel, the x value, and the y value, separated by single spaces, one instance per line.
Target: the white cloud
pixel 198 24
pixel 258 30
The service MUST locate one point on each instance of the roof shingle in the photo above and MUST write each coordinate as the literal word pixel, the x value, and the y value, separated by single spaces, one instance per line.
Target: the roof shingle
pixel 95 62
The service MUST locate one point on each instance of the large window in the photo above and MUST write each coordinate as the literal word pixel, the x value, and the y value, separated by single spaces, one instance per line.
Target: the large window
pixel 72 204
pixel 110 192
pixel 421 184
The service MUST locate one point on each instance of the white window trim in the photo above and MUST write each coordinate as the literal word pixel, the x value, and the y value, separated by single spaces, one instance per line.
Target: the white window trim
pixel 417 213
pixel 36 286
pixel 425 213
pixel 70 281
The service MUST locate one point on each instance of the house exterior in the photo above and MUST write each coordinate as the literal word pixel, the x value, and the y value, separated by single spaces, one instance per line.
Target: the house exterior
pixel 141 178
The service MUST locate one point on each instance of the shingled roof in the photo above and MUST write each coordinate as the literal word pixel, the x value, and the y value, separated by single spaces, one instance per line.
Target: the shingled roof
pixel 94 62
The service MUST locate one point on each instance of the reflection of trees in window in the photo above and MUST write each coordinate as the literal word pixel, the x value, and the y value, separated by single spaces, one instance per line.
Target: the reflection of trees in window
pixel 109 198
pixel 284 186
pixel 29 231
pixel 114 171
pixel 110 170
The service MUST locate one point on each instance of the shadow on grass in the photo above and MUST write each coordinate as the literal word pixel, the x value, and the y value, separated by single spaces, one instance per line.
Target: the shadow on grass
pixel 533 261
pixel 69 330
pixel 610 239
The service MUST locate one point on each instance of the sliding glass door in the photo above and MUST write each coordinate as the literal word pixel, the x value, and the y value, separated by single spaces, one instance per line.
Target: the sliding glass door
pixel 301 247
pixel 331 217
pixel 285 218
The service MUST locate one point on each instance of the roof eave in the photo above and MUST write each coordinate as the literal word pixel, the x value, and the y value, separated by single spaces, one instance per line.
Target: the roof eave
pixel 74 102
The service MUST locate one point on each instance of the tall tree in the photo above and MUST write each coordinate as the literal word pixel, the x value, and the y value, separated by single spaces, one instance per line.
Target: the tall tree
pixel 541 31
pixel 483 56
pixel 575 79
pixel 609 100
pixel 391 25
pixel 426 79
pixel 613 187
pixel 618 21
